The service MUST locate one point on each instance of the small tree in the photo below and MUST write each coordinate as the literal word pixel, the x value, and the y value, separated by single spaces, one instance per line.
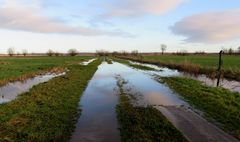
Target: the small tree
pixel 57 54
pixel 72 52
pixel 50 52
pixel 230 51
pixel 134 53
pixel 163 48
pixel 239 49
pixel 24 52
pixel 11 51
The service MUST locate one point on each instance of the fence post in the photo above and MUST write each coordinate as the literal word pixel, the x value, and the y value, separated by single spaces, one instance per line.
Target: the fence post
pixel 219 68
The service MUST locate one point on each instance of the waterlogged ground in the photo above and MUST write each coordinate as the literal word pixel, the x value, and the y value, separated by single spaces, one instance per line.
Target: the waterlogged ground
pixel 98 119
pixel 12 90
pixel 166 72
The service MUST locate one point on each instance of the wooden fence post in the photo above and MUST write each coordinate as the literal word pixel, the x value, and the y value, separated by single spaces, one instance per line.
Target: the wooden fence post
pixel 219 68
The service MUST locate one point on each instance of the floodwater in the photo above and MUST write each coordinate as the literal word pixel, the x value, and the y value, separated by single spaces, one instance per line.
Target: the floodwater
pixel 98 119
pixel 12 90
pixel 85 63
pixel 98 122
pixel 166 72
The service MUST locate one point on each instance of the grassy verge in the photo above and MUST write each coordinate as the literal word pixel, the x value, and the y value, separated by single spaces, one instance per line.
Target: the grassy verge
pixel 22 68
pixel 48 111
pixel 144 124
pixel 108 60
pixel 218 104
pixel 203 66
pixel 136 66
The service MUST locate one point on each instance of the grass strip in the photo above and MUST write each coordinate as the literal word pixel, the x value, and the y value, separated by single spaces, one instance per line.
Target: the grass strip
pixel 21 68
pixel 218 104
pixel 47 112
pixel 109 61
pixel 144 124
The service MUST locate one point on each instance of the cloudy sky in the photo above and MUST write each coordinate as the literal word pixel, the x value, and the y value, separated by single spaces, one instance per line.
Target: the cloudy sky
pixel 89 25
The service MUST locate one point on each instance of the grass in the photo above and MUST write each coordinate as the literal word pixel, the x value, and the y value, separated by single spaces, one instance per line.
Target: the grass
pixel 196 64
pixel 18 68
pixel 136 66
pixel 109 61
pixel 229 62
pixel 48 112
pixel 218 104
pixel 143 124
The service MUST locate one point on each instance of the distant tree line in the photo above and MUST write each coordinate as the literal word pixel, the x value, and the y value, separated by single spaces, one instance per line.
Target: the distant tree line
pixel 11 52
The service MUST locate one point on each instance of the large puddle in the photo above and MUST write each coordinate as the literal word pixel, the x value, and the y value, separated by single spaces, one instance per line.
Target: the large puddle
pixel 166 72
pixel 98 119
pixel 186 119
pixel 12 90
pixel 85 63
pixel 98 122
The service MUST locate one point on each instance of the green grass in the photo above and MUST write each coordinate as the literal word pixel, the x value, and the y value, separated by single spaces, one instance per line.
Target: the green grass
pixel 48 112
pixel 11 68
pixel 218 104
pixel 144 124
pixel 229 62
pixel 136 66
pixel 108 60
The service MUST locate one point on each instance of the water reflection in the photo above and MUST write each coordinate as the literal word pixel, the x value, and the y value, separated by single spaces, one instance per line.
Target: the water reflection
pixel 98 121
pixel 85 63
pixel 12 90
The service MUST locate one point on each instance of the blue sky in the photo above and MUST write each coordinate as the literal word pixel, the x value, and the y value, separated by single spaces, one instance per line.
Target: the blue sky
pixel 114 25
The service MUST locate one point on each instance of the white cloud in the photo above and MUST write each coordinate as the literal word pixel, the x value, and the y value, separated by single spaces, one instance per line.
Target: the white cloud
pixel 15 16
pixel 210 27
pixel 130 8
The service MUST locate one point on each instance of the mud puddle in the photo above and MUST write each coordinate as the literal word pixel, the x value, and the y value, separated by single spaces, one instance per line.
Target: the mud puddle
pixel 10 91
pixel 166 72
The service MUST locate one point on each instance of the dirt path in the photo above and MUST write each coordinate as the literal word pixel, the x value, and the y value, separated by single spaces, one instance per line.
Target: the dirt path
pixel 194 127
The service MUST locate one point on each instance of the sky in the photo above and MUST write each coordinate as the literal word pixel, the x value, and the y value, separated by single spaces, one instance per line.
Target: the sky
pixel 116 25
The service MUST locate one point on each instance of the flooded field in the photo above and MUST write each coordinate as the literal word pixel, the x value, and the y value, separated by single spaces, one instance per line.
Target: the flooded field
pixel 98 119
pixel 100 99
pixel 12 90
pixel 85 63
pixel 166 72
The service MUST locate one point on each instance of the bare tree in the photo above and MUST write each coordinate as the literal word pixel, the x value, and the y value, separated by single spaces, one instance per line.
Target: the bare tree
pixel 11 51
pixel 72 52
pixel 50 52
pixel 163 48
pixel 230 51
pixel 57 54
pixel 239 49
pixel 24 52
pixel 134 53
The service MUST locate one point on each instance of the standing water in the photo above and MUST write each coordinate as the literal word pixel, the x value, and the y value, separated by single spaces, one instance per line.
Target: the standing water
pixel 98 119
pixel 166 72
pixel 12 90
pixel 98 122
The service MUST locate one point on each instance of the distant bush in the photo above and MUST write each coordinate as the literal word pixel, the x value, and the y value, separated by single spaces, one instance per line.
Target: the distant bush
pixel 72 52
